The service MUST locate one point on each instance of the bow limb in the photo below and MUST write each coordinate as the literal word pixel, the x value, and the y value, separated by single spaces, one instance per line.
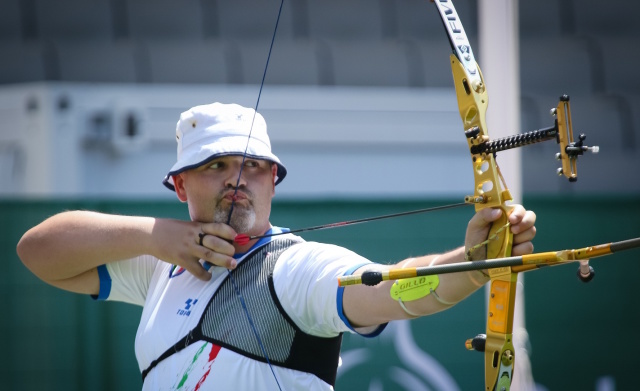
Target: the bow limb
pixel 489 192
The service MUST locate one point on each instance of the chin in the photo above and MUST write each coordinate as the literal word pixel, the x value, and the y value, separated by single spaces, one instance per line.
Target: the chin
pixel 242 220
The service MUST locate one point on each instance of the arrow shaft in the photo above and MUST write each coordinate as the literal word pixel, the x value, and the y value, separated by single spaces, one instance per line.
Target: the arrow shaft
pixel 517 263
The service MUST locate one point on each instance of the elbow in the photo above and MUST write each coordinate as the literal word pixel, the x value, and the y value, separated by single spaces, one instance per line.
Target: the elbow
pixel 32 250
pixel 24 249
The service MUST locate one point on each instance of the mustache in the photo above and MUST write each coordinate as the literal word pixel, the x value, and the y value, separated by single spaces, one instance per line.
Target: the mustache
pixel 242 193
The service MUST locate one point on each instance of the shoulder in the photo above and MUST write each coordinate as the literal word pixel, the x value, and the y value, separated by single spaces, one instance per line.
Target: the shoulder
pixel 306 257
pixel 305 279
pixel 320 252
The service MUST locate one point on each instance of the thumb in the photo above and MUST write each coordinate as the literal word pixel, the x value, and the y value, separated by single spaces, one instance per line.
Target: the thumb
pixel 479 225
pixel 485 217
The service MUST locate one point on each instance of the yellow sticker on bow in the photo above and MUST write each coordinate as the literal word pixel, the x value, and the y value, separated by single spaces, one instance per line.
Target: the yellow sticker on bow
pixel 409 289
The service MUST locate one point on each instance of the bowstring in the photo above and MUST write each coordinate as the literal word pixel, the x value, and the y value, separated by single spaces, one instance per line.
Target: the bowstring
pixel 233 201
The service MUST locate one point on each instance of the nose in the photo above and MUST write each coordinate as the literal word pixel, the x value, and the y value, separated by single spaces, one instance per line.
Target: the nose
pixel 235 176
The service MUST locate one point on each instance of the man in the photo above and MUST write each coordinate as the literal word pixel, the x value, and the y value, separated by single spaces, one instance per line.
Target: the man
pixel 262 315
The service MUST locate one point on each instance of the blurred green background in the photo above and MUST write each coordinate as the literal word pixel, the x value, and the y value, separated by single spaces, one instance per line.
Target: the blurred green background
pixel 579 333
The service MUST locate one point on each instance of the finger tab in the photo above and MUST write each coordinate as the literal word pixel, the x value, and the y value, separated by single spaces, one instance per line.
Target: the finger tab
pixel 242 239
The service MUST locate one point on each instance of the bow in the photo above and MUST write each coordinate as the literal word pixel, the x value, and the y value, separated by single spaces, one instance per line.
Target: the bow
pixel 490 191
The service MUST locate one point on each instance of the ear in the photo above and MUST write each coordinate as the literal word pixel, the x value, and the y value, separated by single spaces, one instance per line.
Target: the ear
pixel 178 182
pixel 274 175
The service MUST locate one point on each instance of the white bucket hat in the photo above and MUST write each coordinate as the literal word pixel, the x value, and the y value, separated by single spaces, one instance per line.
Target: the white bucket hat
pixel 210 131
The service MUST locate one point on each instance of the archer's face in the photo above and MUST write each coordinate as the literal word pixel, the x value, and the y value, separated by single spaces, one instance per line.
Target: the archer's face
pixel 209 191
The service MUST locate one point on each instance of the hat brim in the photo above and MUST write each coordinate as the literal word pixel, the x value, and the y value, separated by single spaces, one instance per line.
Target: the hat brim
pixel 178 168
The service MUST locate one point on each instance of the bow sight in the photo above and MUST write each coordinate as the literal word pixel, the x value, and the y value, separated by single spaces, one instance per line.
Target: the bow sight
pixel 561 131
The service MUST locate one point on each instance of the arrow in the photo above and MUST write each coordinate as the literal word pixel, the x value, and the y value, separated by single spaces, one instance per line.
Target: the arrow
pixel 518 264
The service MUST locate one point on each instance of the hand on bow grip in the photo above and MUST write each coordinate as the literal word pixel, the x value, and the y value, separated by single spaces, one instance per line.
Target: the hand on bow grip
pixel 521 222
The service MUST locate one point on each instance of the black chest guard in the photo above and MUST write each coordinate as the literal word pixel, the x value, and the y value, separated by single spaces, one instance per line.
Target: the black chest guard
pixel 224 322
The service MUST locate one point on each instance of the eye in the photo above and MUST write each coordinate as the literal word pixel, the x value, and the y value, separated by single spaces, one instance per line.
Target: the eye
pixel 251 163
pixel 216 165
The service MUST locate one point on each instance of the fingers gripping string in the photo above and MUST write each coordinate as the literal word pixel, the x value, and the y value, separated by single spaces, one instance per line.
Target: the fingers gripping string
pixel 233 202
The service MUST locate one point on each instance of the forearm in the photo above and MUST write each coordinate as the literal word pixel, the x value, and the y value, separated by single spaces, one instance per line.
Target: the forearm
pixel 366 305
pixel 452 287
pixel 72 243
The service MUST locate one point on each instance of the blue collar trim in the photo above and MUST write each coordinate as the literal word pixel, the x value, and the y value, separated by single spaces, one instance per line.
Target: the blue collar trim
pixel 263 241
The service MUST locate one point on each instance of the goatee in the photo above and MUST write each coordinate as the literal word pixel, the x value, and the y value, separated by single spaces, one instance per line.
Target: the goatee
pixel 242 218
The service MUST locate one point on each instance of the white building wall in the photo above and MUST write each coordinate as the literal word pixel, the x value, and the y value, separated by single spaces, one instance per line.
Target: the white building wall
pixel 71 139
